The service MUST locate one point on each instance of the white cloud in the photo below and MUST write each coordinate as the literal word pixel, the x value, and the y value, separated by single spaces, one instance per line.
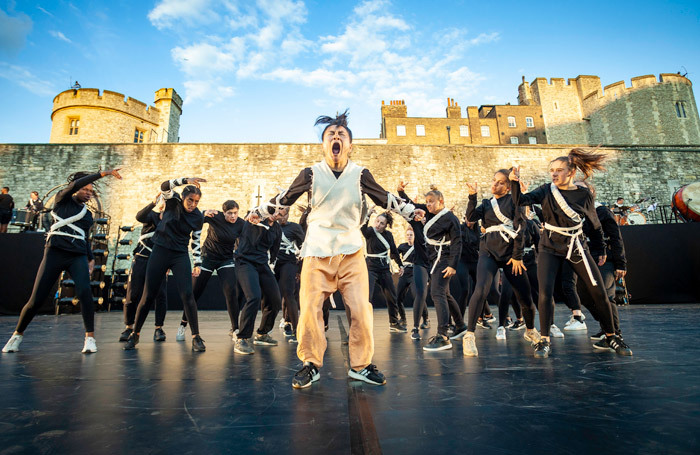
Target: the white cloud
pixel 24 78
pixel 209 91
pixel 13 31
pixel 44 11
pixel 58 35
pixel 168 13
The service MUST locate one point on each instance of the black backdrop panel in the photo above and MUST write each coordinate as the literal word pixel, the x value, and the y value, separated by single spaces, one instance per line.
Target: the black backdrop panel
pixel 663 262
pixel 20 256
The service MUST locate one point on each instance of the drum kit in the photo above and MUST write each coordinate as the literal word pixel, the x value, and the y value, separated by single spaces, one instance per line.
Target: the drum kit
pixel 685 206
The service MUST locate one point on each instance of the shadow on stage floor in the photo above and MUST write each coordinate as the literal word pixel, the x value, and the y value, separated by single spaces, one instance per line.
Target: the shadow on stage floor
pixel 163 398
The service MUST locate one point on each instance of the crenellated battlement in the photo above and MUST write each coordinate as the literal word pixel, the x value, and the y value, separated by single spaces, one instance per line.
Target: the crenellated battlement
pixel 91 98
pixel 619 89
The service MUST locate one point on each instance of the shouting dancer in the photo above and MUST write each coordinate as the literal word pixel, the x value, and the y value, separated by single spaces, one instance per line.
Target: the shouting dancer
pixel 332 252
pixel 67 248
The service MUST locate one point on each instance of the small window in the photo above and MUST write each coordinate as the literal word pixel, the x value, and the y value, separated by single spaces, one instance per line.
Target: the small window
pixel 420 130
pixel 513 140
pixel 511 122
pixel 680 109
pixel 556 106
pixel 463 130
pixel 485 131
pixel 532 139
pixel 74 125
pixel 400 130
pixel 529 122
pixel 138 136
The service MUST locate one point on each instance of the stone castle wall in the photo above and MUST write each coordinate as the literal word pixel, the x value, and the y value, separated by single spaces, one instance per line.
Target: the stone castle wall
pixel 242 171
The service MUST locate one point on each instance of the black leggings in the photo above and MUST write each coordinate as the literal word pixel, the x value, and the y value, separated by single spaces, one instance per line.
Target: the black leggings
pixel 420 292
pixel 160 261
pixel 384 280
pixel 134 291
pixel 507 299
pixel 445 304
pixel 547 268
pixel 286 274
pixel 580 293
pixel 485 272
pixel 229 284
pixel 257 280
pixel 54 262
pixel 491 299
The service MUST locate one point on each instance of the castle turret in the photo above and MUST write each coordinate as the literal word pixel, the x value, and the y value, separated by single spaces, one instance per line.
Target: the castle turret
pixel 169 104
pixel 524 94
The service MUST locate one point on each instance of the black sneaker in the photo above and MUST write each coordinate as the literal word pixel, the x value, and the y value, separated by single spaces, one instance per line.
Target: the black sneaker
pixel 542 349
pixel 198 344
pixel 517 325
pixel 450 330
pixel 613 343
pixel 396 327
pixel 509 322
pixel 288 330
pixel 131 342
pixel 293 339
pixel 369 374
pixel 159 335
pixel 598 336
pixel 459 333
pixel 404 323
pixel 306 376
pixel 415 334
pixel 490 318
pixel 125 334
pixel 438 343
pixel 425 324
pixel 483 324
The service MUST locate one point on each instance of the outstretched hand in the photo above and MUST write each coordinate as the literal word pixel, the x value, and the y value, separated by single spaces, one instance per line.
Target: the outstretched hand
pixel 418 214
pixel 253 218
pixel 211 213
pixel 448 272
pixel 401 186
pixel 514 174
pixel 472 187
pixel 113 172
pixel 195 181
pixel 518 266
pixel 523 186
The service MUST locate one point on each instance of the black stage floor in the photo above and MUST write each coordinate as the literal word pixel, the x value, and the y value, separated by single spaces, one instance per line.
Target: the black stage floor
pixel 163 398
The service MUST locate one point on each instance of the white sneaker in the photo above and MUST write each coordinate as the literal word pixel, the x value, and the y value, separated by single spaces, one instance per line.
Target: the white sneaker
pixel 576 325
pixel 501 333
pixel 282 323
pixel 181 331
pixel 469 345
pixel 234 337
pixel 90 345
pixel 13 344
pixel 555 332
pixel 573 320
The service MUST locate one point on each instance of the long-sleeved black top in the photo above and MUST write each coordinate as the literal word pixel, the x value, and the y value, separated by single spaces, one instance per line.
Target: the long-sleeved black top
pixel 446 226
pixel 255 242
pixel 178 224
pixel 375 246
pixel 579 199
pixel 294 234
pixel 221 237
pixel 65 206
pixel 403 248
pixel 613 239
pixel 492 242
pixel 150 219
pixel 302 184
pixel 420 252
pixel 531 241
pixel 470 243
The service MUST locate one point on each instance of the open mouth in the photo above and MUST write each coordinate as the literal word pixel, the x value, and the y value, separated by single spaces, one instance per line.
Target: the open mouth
pixel 336 148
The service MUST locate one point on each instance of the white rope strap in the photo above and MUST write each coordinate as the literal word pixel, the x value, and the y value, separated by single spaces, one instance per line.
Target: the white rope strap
pixel 68 222
pixel 196 246
pixel 438 243
pixel 407 254
pixel 399 206
pixel 288 246
pixel 506 228
pixel 145 237
pixel 574 233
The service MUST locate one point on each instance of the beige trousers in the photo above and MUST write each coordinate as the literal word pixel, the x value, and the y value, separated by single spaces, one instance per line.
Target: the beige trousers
pixel 320 277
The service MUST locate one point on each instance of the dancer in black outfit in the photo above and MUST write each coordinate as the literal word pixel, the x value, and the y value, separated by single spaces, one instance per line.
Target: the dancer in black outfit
pixel 564 207
pixel 6 206
pixel 225 228
pixel 67 248
pixel 287 270
pixel 137 276
pixel 381 249
pixel 501 247
pixel 444 245
pixel 406 289
pixel 613 268
pixel 258 247
pixel 181 219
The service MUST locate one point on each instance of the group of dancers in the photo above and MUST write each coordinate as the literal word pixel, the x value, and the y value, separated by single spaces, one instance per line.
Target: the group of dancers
pixel 269 260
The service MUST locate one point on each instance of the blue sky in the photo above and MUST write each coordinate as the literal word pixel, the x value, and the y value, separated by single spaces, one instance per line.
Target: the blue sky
pixel 263 70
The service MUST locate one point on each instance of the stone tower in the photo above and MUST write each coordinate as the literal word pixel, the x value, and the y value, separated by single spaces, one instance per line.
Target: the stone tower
pixel 169 104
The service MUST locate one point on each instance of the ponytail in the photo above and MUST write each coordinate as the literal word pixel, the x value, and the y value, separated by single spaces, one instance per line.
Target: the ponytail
pixel 584 160
pixel 434 192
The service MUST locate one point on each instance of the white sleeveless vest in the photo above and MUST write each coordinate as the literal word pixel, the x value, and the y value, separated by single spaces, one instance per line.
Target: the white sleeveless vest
pixel 336 212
